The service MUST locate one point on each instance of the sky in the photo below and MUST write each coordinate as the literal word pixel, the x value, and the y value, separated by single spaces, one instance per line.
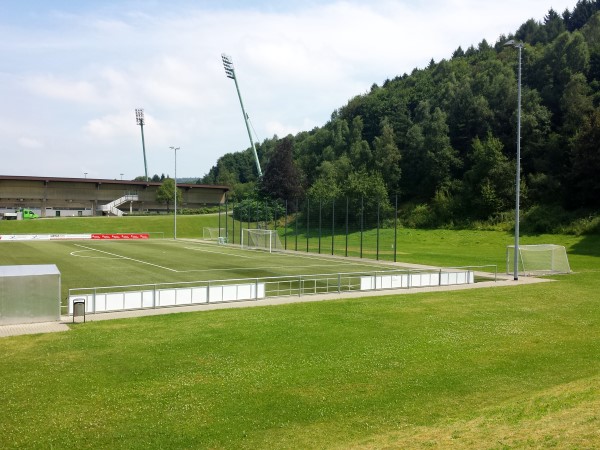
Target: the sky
pixel 72 73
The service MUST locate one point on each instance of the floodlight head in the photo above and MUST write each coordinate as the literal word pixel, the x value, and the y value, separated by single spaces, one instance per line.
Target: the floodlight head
pixel 513 43
pixel 228 65
pixel 139 116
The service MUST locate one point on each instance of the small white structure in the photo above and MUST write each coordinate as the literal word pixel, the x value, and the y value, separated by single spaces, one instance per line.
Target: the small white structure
pixel 29 294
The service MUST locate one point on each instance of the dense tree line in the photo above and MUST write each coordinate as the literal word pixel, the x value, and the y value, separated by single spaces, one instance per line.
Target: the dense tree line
pixel 444 137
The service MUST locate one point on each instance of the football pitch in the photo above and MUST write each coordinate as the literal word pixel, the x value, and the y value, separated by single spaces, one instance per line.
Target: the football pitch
pixel 514 367
pixel 91 263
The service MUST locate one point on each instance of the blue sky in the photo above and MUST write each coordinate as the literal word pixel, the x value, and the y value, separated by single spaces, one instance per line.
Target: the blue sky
pixel 73 72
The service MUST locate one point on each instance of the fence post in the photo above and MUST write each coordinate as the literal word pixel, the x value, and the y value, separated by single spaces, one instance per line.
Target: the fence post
pixel 347 205
pixel 226 217
pixel 377 253
pixel 395 227
pixel 208 292
pixel 320 229
pixel 362 213
pixel 296 225
pixel 300 286
pixel 285 227
pixel 94 302
pixel 332 225
pixel 339 283
pixel 233 223
pixel 256 290
pixel 307 222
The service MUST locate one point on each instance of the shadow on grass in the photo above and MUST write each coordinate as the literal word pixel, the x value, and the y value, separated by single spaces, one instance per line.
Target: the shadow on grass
pixel 589 245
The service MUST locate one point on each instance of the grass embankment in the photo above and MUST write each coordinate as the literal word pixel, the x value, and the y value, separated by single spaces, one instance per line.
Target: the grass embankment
pixel 513 367
pixel 187 226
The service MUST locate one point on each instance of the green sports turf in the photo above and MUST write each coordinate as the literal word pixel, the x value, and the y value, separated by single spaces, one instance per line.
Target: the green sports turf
pixel 90 263
pixel 502 368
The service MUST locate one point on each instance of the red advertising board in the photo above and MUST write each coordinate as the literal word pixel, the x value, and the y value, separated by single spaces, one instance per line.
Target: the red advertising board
pixel 130 236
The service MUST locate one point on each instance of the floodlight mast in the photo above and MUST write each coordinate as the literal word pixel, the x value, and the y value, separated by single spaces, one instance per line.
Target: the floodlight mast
pixel 139 118
pixel 230 73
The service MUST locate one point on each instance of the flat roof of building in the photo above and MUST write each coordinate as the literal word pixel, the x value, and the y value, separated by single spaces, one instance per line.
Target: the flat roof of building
pixel 104 181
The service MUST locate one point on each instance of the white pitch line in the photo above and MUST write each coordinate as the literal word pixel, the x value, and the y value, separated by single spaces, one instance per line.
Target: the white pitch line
pixel 219 253
pixel 76 253
pixel 125 257
pixel 337 260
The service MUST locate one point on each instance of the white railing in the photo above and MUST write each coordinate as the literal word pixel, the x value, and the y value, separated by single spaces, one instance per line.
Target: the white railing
pixel 121 298
pixel 112 206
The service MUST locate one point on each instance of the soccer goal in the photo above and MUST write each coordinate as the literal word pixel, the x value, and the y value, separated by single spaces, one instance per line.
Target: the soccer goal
pixel 542 259
pixel 213 234
pixel 261 239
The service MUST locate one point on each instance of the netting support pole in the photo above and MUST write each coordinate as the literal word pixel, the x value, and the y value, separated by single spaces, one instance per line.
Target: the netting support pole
pixel 395 227
pixel 320 229
pixel 347 205
pixel 377 251
pixel 296 226
pixel 307 222
pixel 362 213
pixel 286 225
pixel 332 225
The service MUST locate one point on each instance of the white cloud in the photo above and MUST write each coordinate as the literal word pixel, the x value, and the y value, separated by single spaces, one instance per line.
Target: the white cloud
pixel 62 89
pixel 76 78
pixel 30 143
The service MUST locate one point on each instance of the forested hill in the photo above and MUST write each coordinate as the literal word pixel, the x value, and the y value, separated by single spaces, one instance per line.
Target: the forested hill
pixel 444 137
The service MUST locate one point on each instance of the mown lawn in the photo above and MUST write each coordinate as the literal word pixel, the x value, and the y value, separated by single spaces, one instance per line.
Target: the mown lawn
pixel 514 367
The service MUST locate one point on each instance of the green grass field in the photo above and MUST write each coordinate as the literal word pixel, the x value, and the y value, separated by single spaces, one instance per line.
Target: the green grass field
pixel 86 264
pixel 500 368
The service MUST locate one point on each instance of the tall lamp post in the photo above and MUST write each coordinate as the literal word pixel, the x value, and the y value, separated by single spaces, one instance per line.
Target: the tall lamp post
pixel 175 197
pixel 139 118
pixel 519 46
pixel 230 73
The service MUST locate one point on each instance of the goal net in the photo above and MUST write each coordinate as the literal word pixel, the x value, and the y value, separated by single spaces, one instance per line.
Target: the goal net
pixel 213 234
pixel 261 239
pixel 538 259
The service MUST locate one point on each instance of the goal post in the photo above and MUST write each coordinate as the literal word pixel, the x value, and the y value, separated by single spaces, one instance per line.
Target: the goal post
pixel 541 259
pixel 213 234
pixel 256 238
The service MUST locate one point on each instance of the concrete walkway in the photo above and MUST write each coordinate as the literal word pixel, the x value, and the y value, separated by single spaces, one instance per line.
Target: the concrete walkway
pixel 49 327
pixel 32 328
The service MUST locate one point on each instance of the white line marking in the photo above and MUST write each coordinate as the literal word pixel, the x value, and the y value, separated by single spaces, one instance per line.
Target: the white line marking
pixel 125 257
pixel 219 253
pixel 76 253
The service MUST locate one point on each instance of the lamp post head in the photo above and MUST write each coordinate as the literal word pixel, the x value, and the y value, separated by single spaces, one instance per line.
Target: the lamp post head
pixel 228 65
pixel 139 116
pixel 513 43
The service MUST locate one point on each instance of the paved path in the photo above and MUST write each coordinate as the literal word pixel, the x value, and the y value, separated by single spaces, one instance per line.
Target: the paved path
pixel 32 328
pixel 49 327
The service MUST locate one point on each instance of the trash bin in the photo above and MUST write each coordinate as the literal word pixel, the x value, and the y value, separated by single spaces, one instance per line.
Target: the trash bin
pixel 79 308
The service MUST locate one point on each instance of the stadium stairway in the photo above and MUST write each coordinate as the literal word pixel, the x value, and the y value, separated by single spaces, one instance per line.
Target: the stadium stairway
pixel 112 209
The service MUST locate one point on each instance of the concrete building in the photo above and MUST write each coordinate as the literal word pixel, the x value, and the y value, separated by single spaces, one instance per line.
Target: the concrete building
pixel 54 197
